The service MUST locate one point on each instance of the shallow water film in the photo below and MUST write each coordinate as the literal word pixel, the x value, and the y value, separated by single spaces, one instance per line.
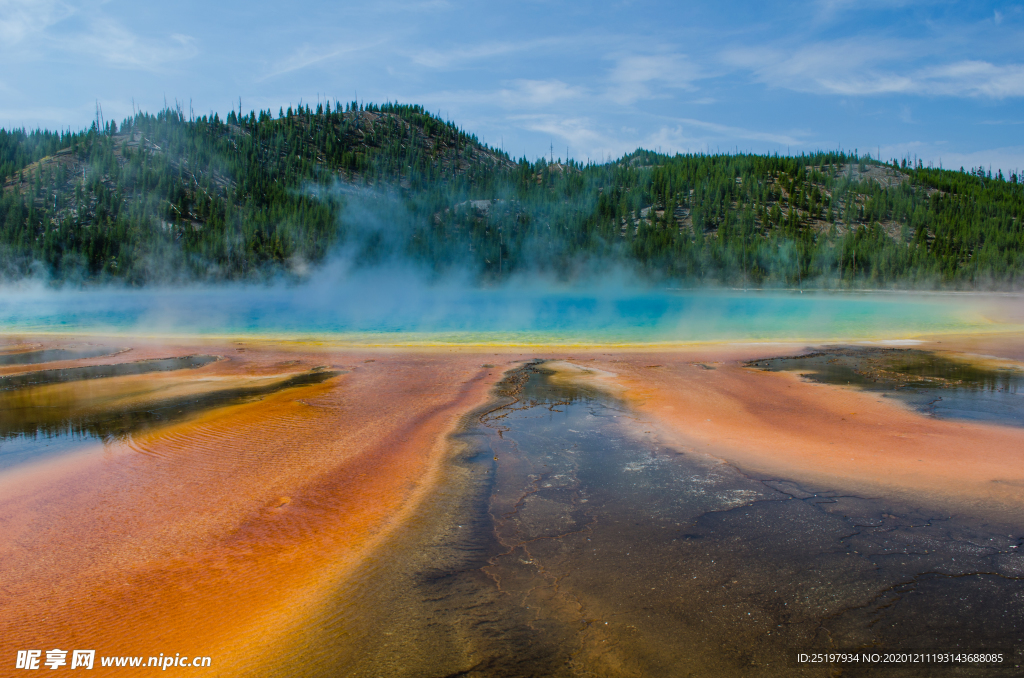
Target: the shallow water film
pixel 934 384
pixel 291 511
pixel 44 414
pixel 590 548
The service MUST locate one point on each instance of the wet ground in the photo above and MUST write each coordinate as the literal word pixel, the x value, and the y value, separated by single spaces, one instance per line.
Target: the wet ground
pixel 220 533
pixel 586 547
pixel 933 383
pixel 53 355
pixel 50 412
pixel 570 540
pixel 67 374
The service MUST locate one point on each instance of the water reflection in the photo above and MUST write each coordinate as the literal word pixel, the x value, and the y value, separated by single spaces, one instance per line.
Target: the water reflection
pixel 932 383
pixel 49 416
pixel 104 371
pixel 53 355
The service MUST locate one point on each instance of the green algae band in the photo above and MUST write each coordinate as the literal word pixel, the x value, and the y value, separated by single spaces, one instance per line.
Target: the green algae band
pixel 104 371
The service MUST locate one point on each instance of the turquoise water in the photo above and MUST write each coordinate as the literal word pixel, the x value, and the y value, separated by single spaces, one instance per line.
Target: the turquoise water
pixel 382 313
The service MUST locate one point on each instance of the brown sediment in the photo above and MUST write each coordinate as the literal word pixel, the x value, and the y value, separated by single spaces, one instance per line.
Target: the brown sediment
pixel 780 425
pixel 219 534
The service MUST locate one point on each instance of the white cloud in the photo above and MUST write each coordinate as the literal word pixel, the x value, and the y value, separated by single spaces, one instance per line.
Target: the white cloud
pixel 523 96
pixel 1007 158
pixel 587 138
pixel 858 68
pixel 815 67
pixel 538 93
pixel 726 132
pixel 29 29
pixel 935 154
pixel 631 79
pixel 829 10
pixel 463 56
pixel 24 19
pixel 307 55
pixel 415 6
pixel 120 47
pixel 633 76
pixel 975 78
pixel 581 133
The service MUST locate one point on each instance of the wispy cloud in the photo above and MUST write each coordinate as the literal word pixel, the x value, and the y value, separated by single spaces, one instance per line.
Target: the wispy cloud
pixel 520 96
pixel 25 19
pixel 634 75
pixel 856 68
pixel 310 55
pixel 585 136
pixel 631 79
pixel 825 11
pixel 588 137
pixel 120 47
pixel 939 153
pixel 975 78
pixel 413 6
pixel 539 93
pixel 30 28
pixel 652 74
pixel 1007 158
pixel 580 132
pixel 461 57
pixel 729 132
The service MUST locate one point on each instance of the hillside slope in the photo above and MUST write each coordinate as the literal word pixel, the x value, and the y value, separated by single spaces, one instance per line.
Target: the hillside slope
pixel 163 199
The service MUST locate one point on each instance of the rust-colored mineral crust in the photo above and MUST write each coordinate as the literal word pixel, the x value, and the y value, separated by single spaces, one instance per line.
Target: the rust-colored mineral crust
pixel 220 533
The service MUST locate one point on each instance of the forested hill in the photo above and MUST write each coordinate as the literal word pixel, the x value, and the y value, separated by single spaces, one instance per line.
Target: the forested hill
pixel 166 199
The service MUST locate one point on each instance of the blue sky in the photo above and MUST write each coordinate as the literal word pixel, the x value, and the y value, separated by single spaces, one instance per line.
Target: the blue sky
pixel 942 81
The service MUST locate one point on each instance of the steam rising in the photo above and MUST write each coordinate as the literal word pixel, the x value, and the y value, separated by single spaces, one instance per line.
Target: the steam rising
pixel 391 304
pixel 374 290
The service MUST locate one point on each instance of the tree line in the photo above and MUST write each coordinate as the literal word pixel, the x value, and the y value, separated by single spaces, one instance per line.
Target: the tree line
pixel 169 198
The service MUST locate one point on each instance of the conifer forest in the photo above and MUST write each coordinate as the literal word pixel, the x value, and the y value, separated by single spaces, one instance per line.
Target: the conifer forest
pixel 172 197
